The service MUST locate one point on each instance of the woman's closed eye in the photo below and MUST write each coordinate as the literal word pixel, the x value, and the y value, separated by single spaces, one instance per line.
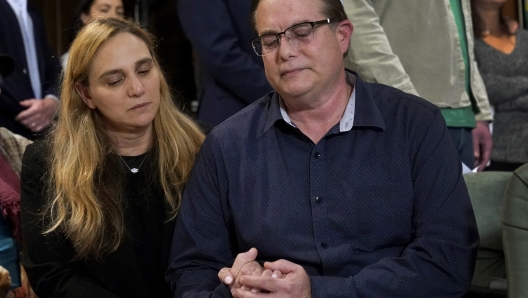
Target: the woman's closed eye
pixel 114 81
pixel 144 71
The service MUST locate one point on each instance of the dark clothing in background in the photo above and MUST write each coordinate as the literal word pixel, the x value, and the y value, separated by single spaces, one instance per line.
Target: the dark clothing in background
pixel 17 86
pixel 231 75
pixel 381 210
pixel 503 166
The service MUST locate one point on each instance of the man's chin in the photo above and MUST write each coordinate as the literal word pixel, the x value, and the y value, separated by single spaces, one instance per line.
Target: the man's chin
pixel 295 91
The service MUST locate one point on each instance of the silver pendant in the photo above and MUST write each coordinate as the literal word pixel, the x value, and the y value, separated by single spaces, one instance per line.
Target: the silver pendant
pixel 134 170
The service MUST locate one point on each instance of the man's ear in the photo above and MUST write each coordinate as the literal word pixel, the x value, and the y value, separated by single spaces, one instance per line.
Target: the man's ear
pixel 84 93
pixel 344 33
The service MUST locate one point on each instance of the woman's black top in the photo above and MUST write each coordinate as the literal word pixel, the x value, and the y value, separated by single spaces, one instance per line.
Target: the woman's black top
pixel 135 269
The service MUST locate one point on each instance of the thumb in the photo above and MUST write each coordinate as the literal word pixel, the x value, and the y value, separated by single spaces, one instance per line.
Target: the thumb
pixel 283 266
pixel 476 148
pixel 242 259
pixel 248 256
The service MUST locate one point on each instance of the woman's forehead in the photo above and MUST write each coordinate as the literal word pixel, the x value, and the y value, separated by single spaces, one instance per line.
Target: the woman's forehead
pixel 121 50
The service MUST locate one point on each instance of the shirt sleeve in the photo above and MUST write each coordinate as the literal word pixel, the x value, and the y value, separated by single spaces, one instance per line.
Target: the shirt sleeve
pixel 212 32
pixel 370 53
pixel 203 242
pixel 48 259
pixel 481 96
pixel 439 261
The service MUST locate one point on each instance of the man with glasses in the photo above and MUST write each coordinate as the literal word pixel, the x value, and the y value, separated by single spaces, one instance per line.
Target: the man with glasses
pixel 345 188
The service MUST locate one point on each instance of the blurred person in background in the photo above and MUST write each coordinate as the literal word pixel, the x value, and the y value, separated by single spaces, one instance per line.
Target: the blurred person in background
pixel 90 10
pixel 28 101
pixel 100 194
pixel 230 76
pixel 501 52
pixel 425 47
pixel 9 201
pixel 12 147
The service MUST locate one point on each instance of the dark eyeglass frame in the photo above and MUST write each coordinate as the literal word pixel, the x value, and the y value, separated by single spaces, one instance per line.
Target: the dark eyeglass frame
pixel 278 35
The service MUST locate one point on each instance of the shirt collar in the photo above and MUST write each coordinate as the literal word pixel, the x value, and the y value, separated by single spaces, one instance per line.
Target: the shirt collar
pixel 346 122
pixel 360 101
pixel 18 5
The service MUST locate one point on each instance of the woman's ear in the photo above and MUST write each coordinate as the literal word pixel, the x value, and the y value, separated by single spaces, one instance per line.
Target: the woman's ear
pixel 84 93
pixel 85 18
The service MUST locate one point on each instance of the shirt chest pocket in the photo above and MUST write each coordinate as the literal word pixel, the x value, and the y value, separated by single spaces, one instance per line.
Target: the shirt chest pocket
pixel 383 216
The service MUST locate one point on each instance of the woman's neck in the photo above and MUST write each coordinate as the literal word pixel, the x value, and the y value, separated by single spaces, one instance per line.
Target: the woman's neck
pixel 131 144
pixel 491 18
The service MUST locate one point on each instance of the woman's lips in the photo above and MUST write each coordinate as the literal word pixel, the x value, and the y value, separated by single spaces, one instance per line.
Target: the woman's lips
pixel 141 105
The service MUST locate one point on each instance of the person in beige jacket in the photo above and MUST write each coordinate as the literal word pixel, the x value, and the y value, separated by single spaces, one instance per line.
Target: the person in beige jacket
pixel 425 47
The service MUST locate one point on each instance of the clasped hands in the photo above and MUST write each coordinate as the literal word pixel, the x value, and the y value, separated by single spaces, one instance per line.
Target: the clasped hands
pixel 282 278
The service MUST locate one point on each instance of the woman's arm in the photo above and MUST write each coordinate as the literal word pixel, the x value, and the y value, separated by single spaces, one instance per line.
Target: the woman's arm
pixel 48 259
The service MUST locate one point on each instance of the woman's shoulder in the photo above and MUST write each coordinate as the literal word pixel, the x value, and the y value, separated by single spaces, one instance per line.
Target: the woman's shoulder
pixel 37 149
pixel 35 156
pixel 522 42
pixel 521 32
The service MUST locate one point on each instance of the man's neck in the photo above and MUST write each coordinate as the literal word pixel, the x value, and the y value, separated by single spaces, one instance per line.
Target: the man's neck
pixel 317 117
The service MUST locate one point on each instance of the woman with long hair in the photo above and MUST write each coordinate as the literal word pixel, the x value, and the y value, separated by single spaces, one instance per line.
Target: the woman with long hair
pixel 501 52
pixel 99 196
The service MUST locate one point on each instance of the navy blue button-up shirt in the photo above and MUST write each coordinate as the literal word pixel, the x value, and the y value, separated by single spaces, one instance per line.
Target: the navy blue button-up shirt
pixel 380 210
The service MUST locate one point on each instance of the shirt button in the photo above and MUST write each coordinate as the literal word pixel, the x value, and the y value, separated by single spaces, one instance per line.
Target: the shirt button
pixel 318 199
pixel 324 244
pixel 24 71
pixel 317 155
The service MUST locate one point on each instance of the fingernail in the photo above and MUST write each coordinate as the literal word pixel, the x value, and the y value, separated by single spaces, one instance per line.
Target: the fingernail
pixel 253 290
pixel 228 280
pixel 274 275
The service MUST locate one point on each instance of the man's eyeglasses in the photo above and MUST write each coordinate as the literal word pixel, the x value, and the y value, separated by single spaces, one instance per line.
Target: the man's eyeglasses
pixel 297 35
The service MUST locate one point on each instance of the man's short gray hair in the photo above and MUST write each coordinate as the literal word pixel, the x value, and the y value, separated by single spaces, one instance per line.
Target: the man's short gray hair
pixel 332 9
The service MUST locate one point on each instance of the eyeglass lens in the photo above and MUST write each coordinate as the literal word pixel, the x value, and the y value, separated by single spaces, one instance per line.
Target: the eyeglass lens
pixel 295 35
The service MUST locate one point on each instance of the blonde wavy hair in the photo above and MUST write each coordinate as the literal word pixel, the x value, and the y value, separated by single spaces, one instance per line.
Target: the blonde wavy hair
pixel 86 198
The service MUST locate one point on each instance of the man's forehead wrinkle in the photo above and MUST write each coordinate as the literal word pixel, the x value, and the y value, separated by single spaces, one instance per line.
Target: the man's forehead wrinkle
pixel 278 19
pixel 278 22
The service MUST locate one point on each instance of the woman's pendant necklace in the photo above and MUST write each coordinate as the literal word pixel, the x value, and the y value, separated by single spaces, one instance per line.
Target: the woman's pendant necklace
pixel 134 170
